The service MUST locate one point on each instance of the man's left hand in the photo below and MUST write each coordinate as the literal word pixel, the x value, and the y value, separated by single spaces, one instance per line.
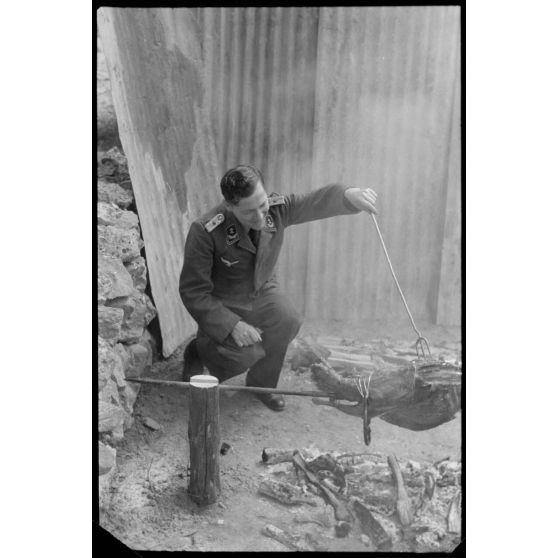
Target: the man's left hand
pixel 364 200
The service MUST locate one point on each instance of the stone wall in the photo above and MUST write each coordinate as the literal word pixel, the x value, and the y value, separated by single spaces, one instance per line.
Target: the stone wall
pixel 125 346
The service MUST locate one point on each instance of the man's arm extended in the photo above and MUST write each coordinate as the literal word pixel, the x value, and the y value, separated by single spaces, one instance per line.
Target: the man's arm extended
pixel 328 201
pixel 196 286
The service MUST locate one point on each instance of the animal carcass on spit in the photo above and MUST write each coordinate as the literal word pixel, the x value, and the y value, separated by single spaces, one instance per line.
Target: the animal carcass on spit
pixel 418 396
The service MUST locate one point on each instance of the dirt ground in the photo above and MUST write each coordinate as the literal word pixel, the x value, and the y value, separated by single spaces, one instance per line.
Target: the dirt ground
pixel 149 508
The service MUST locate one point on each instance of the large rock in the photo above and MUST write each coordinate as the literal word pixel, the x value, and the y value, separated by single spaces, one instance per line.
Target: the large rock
pixel 104 285
pixel 128 395
pixel 125 356
pixel 117 157
pixel 127 392
pixel 111 214
pixel 109 393
pixel 112 166
pixel 123 397
pixel 123 360
pixel 105 493
pixel 113 279
pixel 140 360
pixel 148 341
pixel 115 364
pixel 107 459
pixel 108 360
pixel 120 243
pixel 135 358
pixel 111 420
pixel 138 270
pixel 110 322
pixel 138 312
pixel 111 192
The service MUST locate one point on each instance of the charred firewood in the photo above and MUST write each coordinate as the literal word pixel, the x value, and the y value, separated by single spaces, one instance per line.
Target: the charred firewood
pixel 342 513
pixel 285 493
pixel 454 514
pixel 276 455
pixel 326 465
pixel 403 504
pixel 429 485
pixel 286 539
pixel 371 526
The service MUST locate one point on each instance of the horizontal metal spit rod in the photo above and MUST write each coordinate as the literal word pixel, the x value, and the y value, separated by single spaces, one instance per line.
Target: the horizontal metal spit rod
pixel 235 388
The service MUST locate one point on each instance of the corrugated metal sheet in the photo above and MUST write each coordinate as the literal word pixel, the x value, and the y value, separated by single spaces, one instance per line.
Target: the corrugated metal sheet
pixel 260 66
pixel 363 96
pixel 384 111
pixel 449 290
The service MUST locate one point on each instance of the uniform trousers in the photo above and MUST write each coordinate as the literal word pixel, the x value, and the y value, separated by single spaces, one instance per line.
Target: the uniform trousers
pixel 277 317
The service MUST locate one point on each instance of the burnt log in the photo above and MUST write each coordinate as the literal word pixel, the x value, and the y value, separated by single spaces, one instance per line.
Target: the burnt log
pixel 270 456
pixel 285 492
pixel 286 539
pixel 342 513
pixel 371 526
pixel 454 514
pixel 403 504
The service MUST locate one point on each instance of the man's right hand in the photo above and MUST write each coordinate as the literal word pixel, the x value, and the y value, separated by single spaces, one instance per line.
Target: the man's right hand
pixel 245 335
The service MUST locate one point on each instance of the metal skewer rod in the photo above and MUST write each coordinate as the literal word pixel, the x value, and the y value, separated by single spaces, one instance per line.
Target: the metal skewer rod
pixel 420 339
pixel 234 388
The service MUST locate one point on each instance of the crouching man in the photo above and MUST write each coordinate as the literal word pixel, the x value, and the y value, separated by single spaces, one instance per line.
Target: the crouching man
pixel 228 283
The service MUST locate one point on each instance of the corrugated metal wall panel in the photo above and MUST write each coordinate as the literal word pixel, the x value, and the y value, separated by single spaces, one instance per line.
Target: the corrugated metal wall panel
pixel 260 65
pixel 449 290
pixel 384 106
pixel 310 95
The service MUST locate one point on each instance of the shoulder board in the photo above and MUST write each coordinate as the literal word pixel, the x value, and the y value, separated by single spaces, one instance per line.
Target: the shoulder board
pixel 214 222
pixel 276 199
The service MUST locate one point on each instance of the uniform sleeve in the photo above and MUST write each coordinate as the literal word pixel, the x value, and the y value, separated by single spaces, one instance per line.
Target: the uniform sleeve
pixel 196 286
pixel 328 201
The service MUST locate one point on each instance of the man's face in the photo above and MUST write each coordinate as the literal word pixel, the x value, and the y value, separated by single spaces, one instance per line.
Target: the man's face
pixel 251 211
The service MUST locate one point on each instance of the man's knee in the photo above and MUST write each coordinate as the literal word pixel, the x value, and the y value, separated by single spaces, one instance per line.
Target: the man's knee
pixel 228 355
pixel 286 318
pixel 239 359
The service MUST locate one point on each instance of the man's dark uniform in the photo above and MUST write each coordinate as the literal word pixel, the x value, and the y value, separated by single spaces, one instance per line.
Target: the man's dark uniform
pixel 228 276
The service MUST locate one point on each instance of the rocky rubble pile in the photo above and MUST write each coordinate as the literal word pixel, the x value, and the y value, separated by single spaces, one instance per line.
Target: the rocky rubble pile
pixel 125 347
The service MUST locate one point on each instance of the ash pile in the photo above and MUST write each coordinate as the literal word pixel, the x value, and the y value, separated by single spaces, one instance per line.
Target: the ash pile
pixel 380 503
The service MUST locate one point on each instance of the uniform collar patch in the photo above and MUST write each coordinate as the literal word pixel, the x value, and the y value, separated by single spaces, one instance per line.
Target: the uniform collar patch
pixel 232 235
pixel 276 199
pixel 269 223
pixel 214 222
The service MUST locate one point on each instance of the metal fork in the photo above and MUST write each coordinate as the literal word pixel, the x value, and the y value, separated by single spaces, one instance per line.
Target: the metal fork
pixel 363 386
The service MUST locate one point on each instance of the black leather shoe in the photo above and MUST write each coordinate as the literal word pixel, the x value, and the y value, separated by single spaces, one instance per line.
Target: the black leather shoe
pixel 192 364
pixel 274 402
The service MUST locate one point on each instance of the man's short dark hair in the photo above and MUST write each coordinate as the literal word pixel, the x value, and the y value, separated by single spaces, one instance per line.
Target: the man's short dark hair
pixel 240 182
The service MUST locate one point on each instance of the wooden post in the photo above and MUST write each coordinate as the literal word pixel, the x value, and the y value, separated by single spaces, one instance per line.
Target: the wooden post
pixel 204 439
